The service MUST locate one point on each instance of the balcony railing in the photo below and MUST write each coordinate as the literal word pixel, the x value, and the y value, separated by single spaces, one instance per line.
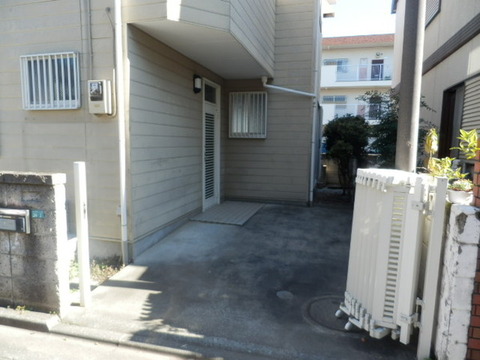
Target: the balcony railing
pixel 371 112
pixel 345 73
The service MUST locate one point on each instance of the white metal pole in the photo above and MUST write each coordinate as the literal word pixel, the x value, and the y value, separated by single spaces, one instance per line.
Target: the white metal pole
pixel 81 215
pixel 120 82
pixel 432 271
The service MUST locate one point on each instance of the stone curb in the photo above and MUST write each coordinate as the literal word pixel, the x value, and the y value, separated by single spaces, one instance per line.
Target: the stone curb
pixel 120 339
pixel 29 320
pixel 42 322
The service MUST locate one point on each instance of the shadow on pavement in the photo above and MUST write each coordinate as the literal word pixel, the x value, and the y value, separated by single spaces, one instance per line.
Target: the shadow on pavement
pixel 267 290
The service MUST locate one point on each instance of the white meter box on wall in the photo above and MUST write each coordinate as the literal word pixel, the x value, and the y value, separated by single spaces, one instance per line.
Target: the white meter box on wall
pixel 99 97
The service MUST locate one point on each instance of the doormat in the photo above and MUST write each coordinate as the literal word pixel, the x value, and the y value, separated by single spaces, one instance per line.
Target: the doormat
pixel 230 213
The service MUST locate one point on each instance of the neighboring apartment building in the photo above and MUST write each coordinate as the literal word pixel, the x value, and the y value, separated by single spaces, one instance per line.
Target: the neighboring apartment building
pixel 451 87
pixel 191 122
pixel 451 66
pixel 351 66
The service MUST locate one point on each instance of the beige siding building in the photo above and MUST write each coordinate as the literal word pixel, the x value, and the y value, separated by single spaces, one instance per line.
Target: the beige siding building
pixel 166 150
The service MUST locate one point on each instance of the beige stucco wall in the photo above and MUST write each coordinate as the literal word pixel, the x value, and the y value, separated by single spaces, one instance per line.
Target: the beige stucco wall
pixel 452 17
pixel 50 141
pixel 459 66
pixel 454 70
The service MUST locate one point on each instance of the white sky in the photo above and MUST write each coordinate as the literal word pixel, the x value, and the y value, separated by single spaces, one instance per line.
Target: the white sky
pixel 360 17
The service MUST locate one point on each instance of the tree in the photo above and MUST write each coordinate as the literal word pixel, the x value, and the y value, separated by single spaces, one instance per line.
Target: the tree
pixel 346 142
pixel 385 132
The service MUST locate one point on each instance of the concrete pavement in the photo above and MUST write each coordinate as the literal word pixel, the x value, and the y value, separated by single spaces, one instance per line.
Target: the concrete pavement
pixel 266 290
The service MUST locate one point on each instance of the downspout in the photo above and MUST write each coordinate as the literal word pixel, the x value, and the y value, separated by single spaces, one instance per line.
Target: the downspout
pixel 120 107
pixel 314 155
pixel 313 95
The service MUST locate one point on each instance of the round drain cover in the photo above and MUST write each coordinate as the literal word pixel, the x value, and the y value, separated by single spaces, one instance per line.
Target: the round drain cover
pixel 321 311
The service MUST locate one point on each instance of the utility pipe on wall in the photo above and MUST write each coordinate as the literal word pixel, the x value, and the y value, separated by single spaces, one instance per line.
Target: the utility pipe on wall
pixel 284 89
pixel 120 94
pixel 314 122
pixel 316 118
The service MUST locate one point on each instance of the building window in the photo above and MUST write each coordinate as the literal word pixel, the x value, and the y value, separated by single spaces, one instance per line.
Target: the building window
pixel 248 115
pixel 341 110
pixel 334 98
pixel 50 81
pixel 432 9
pixel 342 64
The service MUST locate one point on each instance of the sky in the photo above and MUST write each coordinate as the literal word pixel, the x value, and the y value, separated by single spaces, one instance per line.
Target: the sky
pixel 360 17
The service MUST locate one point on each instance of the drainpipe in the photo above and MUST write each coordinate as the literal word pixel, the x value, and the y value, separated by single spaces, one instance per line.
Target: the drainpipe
pixel 317 41
pixel 120 89
pixel 311 184
pixel 314 124
pixel 284 89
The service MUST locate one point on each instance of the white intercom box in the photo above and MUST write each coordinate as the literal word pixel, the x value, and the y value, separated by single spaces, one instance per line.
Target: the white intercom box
pixel 99 97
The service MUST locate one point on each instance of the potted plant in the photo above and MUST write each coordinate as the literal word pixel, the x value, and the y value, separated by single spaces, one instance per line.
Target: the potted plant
pixel 461 192
pixel 460 189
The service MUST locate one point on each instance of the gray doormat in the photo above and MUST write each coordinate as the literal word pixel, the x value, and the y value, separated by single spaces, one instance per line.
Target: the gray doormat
pixel 229 212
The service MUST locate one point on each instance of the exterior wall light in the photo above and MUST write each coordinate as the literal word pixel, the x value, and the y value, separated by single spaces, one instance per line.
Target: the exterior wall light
pixel 197 84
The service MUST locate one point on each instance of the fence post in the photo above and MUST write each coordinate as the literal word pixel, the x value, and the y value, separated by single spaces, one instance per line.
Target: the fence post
pixel 81 216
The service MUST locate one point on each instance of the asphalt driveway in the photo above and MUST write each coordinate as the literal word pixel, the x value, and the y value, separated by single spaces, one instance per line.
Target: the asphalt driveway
pixel 265 290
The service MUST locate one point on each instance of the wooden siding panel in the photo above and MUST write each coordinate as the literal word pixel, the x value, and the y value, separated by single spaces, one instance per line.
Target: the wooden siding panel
pixel 166 135
pixel 253 24
pixel 277 168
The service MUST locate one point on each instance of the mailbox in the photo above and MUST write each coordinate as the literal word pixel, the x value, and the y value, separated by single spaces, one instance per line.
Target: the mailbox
pixel 16 220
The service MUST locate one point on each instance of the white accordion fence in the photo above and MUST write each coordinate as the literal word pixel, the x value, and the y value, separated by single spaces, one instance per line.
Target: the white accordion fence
pixel 392 223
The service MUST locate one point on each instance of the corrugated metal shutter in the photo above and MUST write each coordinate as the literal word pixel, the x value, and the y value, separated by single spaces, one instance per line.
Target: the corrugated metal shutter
pixel 471 105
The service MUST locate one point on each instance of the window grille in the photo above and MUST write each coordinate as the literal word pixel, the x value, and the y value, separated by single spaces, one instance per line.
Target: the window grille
pixel 248 115
pixel 50 81
pixel 334 98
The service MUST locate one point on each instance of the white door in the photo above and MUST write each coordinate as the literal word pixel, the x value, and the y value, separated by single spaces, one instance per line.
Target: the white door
pixel 211 141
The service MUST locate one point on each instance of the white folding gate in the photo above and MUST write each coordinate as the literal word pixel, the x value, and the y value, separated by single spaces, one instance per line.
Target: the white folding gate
pixel 396 215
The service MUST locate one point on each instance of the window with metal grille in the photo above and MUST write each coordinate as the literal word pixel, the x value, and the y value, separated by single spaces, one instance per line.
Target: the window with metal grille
pixel 248 115
pixel 50 81
pixel 334 98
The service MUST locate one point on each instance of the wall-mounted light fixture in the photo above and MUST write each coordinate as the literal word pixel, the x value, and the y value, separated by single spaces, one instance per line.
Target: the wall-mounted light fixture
pixel 197 84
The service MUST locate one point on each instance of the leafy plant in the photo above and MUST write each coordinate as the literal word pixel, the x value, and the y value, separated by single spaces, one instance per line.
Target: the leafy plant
pixel 346 140
pixel 444 167
pixel 468 143
pixel 385 132
pixel 462 185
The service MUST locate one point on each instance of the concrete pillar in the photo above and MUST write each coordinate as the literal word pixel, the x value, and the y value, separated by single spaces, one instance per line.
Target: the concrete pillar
pixel 410 85
pixel 455 313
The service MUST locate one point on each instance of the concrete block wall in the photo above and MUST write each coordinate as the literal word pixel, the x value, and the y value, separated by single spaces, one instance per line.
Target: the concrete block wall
pixel 34 271
pixel 473 352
